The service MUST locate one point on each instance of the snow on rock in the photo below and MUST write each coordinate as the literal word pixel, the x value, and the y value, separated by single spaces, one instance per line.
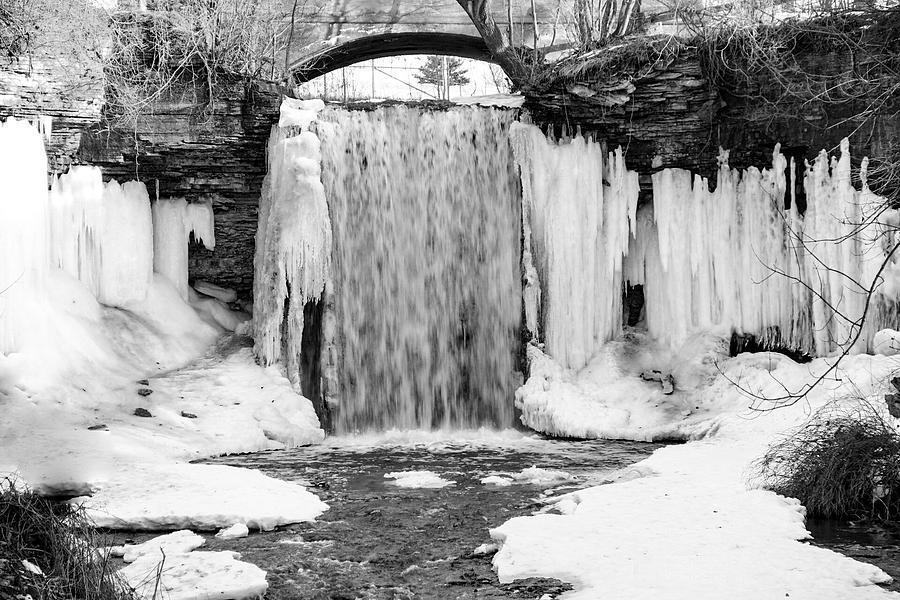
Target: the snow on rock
pixel 195 576
pixel 418 479
pixel 491 100
pixel 532 475
pixel 202 497
pixel 498 480
pixel 238 530
pixel 886 342
pixel 177 542
pixel 687 523
pixel 537 476
pixel 219 293
pixel 299 113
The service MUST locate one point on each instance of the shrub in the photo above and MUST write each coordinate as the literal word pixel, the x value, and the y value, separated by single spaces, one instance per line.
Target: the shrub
pixel 60 541
pixel 843 462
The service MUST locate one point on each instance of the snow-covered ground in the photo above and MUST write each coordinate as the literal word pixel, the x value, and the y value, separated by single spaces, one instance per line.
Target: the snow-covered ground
pixel 688 522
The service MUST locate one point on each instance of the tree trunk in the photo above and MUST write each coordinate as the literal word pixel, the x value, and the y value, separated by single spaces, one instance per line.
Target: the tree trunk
pixel 502 52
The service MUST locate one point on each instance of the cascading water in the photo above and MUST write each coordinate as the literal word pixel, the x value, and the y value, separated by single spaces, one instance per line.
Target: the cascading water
pixel 426 266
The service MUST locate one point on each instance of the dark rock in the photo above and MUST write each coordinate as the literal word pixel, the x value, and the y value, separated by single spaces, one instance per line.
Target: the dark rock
pixel 101 426
pixel 144 392
pixel 142 412
pixel 895 381
pixel 893 404
pixel 143 382
pixel 188 415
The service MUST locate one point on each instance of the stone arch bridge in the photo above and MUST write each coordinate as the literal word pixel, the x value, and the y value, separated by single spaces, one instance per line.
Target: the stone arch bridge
pixel 331 34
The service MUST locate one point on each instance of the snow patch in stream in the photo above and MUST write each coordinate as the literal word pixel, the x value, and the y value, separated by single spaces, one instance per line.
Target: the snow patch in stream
pixel 195 576
pixel 418 479
pixel 205 497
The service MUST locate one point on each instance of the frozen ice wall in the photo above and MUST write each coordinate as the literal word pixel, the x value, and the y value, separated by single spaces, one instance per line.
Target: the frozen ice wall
pixel 101 234
pixel 24 239
pixel 293 239
pixel 174 221
pixel 426 265
pixel 579 204
pixel 742 258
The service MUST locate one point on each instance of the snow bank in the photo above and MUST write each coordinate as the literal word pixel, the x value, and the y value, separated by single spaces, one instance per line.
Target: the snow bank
pixel 195 576
pixel 684 523
pixel 418 479
pixel 94 386
pixel 612 397
pixel 205 497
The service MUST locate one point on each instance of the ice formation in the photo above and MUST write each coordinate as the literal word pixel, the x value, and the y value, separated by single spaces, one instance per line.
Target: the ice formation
pixel 174 221
pixel 742 258
pixel 579 203
pixel 24 239
pixel 293 238
pixel 426 265
pixel 101 234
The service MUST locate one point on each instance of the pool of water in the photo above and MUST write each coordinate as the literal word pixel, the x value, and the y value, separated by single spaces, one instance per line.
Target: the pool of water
pixel 381 541
pixel 872 542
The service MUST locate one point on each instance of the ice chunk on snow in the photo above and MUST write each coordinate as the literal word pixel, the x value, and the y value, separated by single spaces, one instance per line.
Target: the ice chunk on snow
pixel 205 497
pixel 418 479
pixel 176 542
pixel 238 530
pixel 195 576
pixel 174 220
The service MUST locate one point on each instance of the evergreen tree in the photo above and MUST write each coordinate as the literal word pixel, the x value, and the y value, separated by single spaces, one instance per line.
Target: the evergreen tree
pixel 432 73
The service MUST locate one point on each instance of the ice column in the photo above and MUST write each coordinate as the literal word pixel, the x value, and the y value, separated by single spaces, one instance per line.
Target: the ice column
pixel 293 239
pixel 581 205
pixel 174 220
pixel 24 239
pixel 102 234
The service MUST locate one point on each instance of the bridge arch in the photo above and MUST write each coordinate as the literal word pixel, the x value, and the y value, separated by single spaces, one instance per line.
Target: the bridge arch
pixel 389 44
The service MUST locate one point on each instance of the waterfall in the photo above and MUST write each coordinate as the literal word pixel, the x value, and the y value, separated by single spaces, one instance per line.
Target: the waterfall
pixel 425 266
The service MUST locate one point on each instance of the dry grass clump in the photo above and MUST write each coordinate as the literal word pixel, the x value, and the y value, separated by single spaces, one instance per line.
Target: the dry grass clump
pixel 57 539
pixel 843 462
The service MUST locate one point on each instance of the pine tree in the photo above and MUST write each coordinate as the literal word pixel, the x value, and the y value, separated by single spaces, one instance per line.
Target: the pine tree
pixel 432 73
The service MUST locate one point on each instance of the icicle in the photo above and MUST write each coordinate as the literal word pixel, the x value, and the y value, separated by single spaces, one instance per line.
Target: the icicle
pixel 24 235
pixel 736 260
pixel 581 207
pixel 293 239
pixel 174 220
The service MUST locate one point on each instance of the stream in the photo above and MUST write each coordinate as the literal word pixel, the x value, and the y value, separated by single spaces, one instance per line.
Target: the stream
pixel 381 541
